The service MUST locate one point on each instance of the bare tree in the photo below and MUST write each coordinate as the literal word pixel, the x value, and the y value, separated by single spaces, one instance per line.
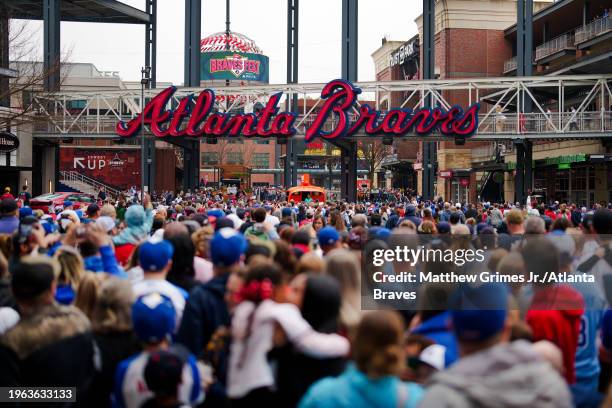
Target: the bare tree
pixel 373 152
pixel 31 74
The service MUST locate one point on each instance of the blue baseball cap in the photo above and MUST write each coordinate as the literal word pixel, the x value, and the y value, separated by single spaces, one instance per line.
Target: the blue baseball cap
pixel 67 203
pixel 24 212
pixel 217 213
pixel 444 227
pixel 227 246
pixel 153 317
pixel 479 312
pixel 154 256
pixel 286 212
pixel 381 233
pixel 328 236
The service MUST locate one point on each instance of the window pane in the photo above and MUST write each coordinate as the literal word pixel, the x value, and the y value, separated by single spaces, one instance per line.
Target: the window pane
pixel 261 160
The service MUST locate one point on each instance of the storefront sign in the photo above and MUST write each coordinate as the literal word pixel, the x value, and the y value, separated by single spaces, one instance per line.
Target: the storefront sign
pixel 446 174
pixel 8 142
pixel 339 98
pixel 574 158
pixel 417 166
pixel 234 65
pixel 407 50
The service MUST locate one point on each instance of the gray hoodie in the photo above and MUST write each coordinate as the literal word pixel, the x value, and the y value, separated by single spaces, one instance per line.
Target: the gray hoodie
pixel 504 376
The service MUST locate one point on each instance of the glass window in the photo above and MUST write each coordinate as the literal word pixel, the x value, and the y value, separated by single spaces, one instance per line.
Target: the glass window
pixel 261 160
pixel 209 158
pixel 234 158
pixel 77 104
pixel 562 181
pixel 262 141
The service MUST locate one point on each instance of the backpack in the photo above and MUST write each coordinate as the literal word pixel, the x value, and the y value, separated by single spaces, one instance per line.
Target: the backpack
pixel 253 232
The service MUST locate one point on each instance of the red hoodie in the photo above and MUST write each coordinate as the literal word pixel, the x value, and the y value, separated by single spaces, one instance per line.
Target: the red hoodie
pixel 554 315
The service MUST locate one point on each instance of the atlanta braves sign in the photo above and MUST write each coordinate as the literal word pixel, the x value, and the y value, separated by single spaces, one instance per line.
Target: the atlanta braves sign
pixel 198 118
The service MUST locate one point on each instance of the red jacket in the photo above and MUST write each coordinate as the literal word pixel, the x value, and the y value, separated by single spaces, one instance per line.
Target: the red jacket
pixel 554 315
pixel 123 253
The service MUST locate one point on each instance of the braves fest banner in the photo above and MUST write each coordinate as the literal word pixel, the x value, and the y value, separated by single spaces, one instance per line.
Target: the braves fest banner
pixel 119 168
pixel 234 65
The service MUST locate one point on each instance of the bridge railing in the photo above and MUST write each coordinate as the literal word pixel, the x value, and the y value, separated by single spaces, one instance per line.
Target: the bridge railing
pixel 497 123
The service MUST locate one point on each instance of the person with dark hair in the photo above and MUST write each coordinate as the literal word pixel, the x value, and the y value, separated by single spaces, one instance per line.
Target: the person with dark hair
pixel 319 298
pixel 256 318
pixel 182 272
pixel 9 220
pixel 555 310
pixel 153 320
pixel 492 372
pixel 52 345
pixel 372 381
pixel 163 375
pixel 206 310
pixel 261 229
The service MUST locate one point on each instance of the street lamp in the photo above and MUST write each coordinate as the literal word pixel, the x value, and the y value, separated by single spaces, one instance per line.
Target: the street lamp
pixel 144 82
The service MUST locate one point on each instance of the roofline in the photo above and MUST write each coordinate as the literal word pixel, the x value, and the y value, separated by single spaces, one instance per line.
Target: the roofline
pixel 135 16
pixel 542 13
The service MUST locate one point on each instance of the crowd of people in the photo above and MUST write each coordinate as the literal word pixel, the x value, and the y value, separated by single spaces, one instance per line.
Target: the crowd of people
pixel 205 299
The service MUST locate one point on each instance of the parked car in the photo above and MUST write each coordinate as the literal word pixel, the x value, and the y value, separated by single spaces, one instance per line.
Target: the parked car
pixel 47 202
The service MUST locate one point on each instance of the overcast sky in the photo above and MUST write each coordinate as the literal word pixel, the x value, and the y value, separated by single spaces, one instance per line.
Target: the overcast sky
pixel 119 47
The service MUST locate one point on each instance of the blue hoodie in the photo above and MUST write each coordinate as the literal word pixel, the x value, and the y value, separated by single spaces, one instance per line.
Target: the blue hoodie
pixel 438 329
pixel 105 262
pixel 355 389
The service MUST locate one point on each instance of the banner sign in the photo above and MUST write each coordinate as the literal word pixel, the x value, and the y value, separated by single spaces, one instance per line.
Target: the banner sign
pixel 233 65
pixel 198 119
pixel 8 142
pixel 119 168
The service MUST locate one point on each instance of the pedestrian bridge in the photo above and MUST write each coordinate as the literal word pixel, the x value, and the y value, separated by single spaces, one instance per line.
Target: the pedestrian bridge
pixel 536 108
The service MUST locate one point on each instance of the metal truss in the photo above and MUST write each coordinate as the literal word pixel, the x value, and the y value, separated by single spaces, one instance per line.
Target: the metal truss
pixel 562 107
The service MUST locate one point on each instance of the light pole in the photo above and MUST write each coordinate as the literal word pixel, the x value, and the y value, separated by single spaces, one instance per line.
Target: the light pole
pixel 144 81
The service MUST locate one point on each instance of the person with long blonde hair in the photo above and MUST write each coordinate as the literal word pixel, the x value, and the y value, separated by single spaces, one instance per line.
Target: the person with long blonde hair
pixel 111 323
pixel 72 270
pixel 343 265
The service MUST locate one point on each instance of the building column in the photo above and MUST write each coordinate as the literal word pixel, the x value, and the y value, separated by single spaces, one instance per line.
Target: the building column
pixel 151 61
pixel 348 156
pixel 51 48
pixel 5 99
pixel 519 178
pixel 428 50
pixel 293 149
pixel 193 28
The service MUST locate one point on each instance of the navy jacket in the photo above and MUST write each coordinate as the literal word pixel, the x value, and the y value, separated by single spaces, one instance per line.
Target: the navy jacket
pixel 205 311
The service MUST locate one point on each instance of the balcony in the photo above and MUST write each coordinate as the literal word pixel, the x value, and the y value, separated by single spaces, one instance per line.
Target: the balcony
pixel 596 29
pixel 510 65
pixel 558 46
